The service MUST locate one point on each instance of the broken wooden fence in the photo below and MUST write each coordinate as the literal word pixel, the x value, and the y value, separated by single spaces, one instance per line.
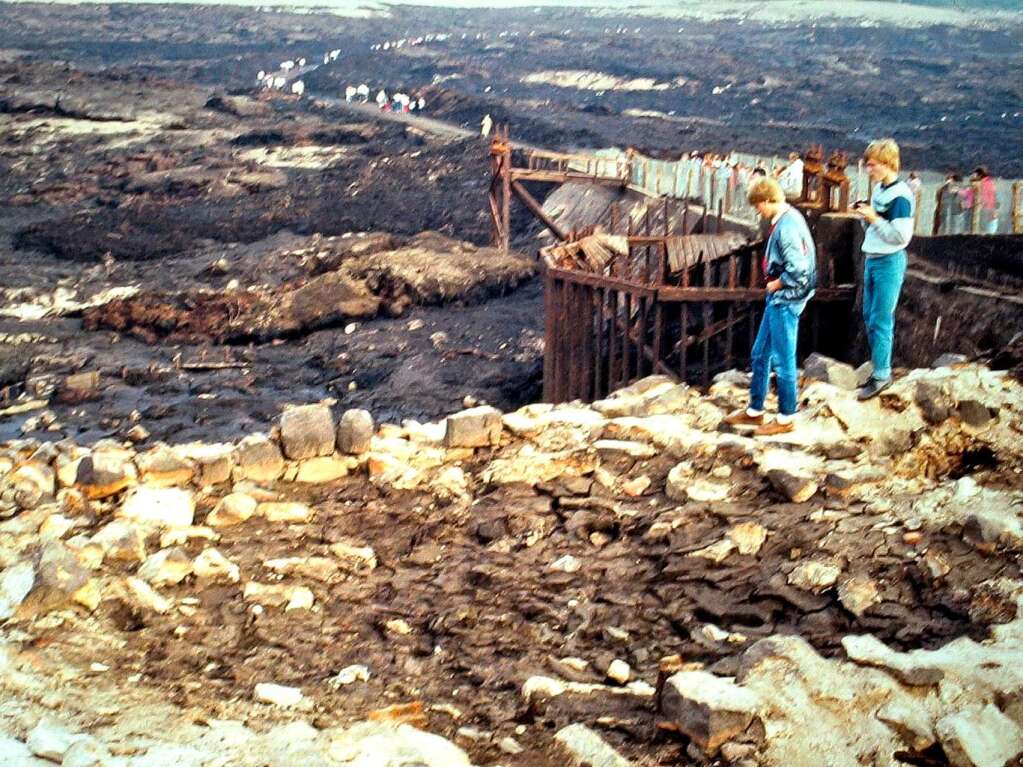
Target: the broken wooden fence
pixel 685 313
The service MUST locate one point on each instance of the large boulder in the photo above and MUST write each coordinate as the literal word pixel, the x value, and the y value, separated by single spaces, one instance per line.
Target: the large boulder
pixel 355 432
pixel 105 473
pixel 121 541
pixel 475 427
pixel 15 584
pixel 258 458
pixel 585 748
pixel 59 578
pixel 307 432
pixel 828 370
pixel 163 467
pixel 979 736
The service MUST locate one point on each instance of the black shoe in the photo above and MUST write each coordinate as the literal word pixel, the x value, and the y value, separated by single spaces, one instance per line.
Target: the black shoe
pixel 873 388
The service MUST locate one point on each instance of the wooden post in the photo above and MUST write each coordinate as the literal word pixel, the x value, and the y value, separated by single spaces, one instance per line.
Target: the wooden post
pixel 1017 214
pixel 550 340
pixel 506 194
pixel 975 210
pixel 918 198
pixel 939 200
pixel 537 210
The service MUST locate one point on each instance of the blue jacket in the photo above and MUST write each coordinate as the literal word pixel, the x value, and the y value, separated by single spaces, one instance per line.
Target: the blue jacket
pixel 792 258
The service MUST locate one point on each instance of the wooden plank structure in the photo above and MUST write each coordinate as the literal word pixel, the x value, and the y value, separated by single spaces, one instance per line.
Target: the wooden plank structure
pixel 541 167
pixel 675 301
pixel 604 331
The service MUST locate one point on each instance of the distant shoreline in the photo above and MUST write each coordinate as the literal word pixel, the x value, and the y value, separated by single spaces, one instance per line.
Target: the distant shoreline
pixel 867 12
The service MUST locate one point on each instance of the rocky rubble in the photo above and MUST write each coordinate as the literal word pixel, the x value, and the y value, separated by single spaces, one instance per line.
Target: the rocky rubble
pixel 807 577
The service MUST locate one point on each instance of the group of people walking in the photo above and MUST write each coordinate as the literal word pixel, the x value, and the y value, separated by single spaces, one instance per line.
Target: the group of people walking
pixel 398 102
pixel 790 268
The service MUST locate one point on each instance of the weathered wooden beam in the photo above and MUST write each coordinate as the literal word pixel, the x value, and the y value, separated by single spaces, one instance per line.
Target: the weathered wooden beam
pixel 600 281
pixel 506 200
pixel 561 177
pixel 700 294
pixel 537 210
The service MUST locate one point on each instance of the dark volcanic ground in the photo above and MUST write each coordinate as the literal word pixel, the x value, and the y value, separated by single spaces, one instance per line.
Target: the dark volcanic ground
pixel 951 95
pixel 134 181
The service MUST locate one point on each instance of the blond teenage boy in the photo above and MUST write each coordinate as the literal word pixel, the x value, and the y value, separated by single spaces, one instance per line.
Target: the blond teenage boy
pixel 889 228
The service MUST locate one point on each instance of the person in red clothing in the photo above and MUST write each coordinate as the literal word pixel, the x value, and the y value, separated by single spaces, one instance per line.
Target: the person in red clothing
pixel 987 199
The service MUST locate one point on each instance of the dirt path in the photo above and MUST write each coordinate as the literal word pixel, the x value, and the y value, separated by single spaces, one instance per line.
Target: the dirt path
pixel 428 124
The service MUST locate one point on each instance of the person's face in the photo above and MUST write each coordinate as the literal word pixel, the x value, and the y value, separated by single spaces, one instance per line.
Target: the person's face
pixel 765 209
pixel 877 170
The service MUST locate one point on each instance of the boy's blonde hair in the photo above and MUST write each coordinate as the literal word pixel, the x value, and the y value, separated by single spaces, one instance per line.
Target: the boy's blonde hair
pixel 765 190
pixel 884 151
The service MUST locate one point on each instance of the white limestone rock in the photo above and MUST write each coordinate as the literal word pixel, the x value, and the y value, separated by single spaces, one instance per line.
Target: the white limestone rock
pixel 232 509
pixel 709 709
pixel 159 507
pixel 16 583
pixel 277 695
pixel 166 567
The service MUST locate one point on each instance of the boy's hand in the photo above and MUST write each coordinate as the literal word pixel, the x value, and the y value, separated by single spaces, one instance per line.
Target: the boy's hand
pixel 867 212
pixel 774 285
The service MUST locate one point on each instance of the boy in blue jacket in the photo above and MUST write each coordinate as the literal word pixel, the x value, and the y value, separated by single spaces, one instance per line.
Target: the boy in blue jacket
pixel 791 269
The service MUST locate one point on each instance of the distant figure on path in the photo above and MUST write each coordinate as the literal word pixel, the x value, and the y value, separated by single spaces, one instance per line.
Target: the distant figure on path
pixel 298 88
pixel 914 183
pixel 889 228
pixel 382 99
pixel 950 205
pixel 363 92
pixel 350 92
pixel 791 271
pixel 791 176
pixel 486 125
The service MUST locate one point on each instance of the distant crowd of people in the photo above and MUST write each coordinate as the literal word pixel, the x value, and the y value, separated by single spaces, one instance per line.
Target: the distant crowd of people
pixel 963 206
pixel 409 41
pixel 286 78
pixel 960 201
pixel 398 101
pixel 730 177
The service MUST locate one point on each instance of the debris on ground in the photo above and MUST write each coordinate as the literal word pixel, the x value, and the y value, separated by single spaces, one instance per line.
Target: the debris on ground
pixel 505 582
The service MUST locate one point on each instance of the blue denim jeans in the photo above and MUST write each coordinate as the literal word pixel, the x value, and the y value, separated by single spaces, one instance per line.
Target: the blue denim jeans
pixel 882 283
pixel 775 348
